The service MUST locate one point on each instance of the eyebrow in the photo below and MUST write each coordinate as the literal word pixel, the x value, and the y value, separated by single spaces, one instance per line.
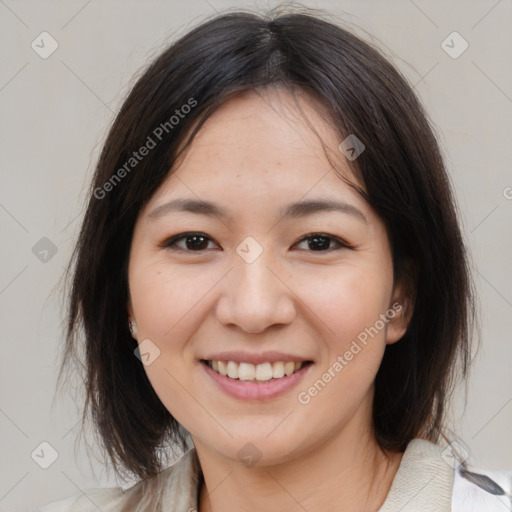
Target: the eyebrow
pixel 294 210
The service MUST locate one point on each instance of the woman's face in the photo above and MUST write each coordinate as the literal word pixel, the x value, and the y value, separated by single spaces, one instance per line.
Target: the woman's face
pixel 262 281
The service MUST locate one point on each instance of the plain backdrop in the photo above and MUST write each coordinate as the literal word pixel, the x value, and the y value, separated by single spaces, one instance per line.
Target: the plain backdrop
pixel 54 115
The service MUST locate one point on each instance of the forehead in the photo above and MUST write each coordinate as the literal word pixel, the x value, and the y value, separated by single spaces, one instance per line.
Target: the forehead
pixel 263 143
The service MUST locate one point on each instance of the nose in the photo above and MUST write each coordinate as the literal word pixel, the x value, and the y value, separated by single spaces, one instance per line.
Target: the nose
pixel 254 296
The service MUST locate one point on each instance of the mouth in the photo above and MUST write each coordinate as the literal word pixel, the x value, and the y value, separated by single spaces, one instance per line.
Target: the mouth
pixel 264 381
pixel 248 372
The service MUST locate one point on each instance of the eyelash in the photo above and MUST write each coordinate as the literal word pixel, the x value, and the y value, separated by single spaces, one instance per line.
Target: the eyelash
pixel 171 242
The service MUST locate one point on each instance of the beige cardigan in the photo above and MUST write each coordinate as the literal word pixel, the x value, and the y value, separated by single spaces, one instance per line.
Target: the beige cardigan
pixel 423 483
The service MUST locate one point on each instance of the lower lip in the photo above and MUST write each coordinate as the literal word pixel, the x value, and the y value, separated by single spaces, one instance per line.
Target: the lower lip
pixel 250 390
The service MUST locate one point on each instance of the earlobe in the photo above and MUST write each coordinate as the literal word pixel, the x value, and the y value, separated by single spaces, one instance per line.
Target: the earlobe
pixel 399 317
pixel 133 328
pixel 402 305
pixel 132 325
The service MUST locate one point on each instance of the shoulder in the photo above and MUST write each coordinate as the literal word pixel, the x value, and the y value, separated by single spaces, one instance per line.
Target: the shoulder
pixel 423 480
pixel 105 500
pixel 175 485
pixel 430 478
pixel 481 490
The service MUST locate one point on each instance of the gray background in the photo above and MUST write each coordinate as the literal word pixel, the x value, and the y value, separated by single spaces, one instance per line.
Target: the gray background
pixel 55 113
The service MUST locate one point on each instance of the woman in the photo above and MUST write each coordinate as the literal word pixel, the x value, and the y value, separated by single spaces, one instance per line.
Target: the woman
pixel 271 269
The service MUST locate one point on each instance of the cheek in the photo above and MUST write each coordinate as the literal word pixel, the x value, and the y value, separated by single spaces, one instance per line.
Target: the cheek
pixel 344 301
pixel 167 303
pixel 165 298
pixel 347 308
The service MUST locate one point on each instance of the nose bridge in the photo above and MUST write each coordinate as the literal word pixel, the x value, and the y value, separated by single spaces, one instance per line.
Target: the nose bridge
pixel 254 297
pixel 256 279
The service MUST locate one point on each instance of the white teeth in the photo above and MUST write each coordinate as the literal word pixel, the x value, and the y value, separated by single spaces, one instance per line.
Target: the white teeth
pixel 278 370
pixel 232 370
pixel 264 371
pixel 260 372
pixel 289 367
pixel 246 371
pixel 222 368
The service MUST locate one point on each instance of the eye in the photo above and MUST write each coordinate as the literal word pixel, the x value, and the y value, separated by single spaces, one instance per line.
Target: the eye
pixel 320 242
pixel 193 242
pixel 197 242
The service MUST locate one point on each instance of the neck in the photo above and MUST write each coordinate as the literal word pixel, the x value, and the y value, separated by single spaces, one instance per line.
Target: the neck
pixel 350 469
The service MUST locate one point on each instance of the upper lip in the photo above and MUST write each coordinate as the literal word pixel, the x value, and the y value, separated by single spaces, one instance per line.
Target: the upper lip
pixel 259 358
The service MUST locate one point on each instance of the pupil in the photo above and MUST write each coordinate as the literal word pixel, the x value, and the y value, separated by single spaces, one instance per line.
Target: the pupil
pixel 318 240
pixel 198 242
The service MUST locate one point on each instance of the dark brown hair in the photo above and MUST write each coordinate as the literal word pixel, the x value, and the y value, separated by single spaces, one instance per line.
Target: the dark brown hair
pixel 405 182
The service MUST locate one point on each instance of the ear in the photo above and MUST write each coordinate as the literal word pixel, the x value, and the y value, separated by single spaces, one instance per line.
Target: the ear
pixel 402 302
pixel 130 310
pixel 131 321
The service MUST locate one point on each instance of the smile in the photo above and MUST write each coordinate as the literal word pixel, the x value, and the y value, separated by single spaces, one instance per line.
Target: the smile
pixel 255 382
pixel 255 372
